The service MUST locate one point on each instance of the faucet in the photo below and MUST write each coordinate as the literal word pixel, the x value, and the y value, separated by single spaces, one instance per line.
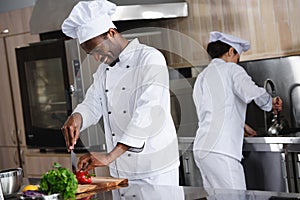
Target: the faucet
pixel 268 82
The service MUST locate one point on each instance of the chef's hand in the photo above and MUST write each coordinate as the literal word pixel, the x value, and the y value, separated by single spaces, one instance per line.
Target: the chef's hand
pixel 91 160
pixel 71 130
pixel 248 131
pixel 276 105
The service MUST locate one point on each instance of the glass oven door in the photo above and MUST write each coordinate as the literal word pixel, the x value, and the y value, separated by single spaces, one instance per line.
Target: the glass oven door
pixel 47 100
pixel 44 85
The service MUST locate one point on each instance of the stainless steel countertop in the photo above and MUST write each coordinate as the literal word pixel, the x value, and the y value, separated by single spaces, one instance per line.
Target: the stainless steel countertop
pixel 261 144
pixel 144 191
pixel 255 140
pixel 272 140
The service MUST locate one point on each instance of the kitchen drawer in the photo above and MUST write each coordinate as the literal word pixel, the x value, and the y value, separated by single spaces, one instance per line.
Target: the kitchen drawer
pixel 39 163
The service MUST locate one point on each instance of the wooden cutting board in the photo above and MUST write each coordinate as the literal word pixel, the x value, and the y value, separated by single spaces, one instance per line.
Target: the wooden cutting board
pixel 101 183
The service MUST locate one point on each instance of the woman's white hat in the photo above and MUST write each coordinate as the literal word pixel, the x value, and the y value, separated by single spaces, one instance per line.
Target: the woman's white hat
pixel 238 44
pixel 89 19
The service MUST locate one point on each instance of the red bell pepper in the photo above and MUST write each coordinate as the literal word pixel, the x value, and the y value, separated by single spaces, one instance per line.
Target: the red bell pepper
pixel 83 177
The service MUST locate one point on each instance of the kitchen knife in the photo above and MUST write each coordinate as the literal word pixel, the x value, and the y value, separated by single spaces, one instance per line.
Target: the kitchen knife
pixel 73 162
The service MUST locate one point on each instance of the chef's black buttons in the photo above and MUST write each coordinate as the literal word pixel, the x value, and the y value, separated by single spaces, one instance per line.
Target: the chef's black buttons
pixel 109 112
pixel 122 195
pixel 124 111
pixel 123 88
pixel 106 90
pixel 129 155
pixel 133 196
pixel 127 66
pixel 107 68
pixel 113 134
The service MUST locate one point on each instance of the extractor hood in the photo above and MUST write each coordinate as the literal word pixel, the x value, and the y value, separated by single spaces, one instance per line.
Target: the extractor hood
pixel 48 15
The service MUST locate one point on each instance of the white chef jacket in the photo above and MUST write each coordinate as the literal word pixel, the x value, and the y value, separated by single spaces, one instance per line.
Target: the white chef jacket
pixel 133 99
pixel 221 94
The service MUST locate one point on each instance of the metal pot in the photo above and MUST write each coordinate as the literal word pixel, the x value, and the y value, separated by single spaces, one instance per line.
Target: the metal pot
pixel 11 180
pixel 276 127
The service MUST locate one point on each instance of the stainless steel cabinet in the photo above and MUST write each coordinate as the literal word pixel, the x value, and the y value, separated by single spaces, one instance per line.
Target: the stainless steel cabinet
pixel 272 163
pixel 293 166
pixel 189 172
pixel 265 171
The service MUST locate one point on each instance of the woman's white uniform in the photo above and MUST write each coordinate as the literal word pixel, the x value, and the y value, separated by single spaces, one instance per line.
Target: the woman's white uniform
pixel 221 94
pixel 133 99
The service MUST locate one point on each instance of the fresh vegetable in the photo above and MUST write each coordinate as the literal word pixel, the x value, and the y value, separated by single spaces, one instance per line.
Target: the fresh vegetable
pixel 32 194
pixel 84 177
pixel 59 180
pixel 30 188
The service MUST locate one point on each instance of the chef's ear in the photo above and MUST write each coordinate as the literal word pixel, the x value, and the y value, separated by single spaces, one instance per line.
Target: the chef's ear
pixel 231 52
pixel 112 32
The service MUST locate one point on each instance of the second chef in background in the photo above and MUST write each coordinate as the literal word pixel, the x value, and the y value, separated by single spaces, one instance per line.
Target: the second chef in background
pixel 131 92
pixel 221 94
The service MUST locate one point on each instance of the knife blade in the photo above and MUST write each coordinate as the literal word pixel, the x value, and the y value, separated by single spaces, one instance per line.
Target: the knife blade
pixel 73 162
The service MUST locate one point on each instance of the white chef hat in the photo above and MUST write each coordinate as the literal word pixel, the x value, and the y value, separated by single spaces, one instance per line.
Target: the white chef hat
pixel 238 44
pixel 89 19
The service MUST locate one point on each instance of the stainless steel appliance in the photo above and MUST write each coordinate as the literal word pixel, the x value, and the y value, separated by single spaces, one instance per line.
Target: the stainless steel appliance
pixel 48 15
pixel 54 75
pixel 186 122
pixel 189 173
pixel 259 162
pixel 284 73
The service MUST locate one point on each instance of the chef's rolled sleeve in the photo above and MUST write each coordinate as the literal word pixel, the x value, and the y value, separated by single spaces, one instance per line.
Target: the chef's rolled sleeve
pixel 134 144
pixel 264 101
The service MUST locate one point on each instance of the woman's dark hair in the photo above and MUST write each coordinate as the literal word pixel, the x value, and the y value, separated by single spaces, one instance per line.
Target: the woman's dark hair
pixel 217 49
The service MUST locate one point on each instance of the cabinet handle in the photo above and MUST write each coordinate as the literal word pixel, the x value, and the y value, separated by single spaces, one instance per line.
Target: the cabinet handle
pixel 16 157
pixel 19 136
pixel 5 31
pixel 187 166
pixel 13 136
pixel 22 157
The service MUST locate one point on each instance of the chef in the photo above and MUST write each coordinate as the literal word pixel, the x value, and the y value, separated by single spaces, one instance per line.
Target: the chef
pixel 221 94
pixel 130 91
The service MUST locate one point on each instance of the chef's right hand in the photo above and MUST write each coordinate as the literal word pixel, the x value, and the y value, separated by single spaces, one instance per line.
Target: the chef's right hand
pixel 277 104
pixel 71 130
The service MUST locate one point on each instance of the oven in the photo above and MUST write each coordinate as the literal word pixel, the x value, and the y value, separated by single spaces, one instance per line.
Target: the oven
pixel 54 75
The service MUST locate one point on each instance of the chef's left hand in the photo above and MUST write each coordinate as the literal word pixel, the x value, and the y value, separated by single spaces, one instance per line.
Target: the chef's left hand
pixel 91 160
pixel 248 131
pixel 99 159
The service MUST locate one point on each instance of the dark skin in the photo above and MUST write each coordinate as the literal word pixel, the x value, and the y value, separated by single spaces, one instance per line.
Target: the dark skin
pixel 104 48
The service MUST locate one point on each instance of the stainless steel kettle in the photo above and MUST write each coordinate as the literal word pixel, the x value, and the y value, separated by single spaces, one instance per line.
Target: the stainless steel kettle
pixel 277 125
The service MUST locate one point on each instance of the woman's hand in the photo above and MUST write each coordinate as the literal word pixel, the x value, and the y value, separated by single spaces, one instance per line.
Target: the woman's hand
pixel 276 104
pixel 248 131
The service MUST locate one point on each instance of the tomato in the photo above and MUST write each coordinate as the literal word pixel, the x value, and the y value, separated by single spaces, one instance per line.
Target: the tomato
pixel 83 177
